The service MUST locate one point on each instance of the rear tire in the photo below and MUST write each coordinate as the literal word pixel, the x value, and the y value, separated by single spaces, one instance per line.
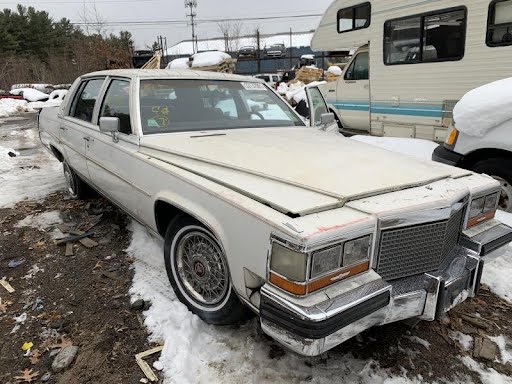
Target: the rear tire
pixel 76 188
pixel 198 272
pixel 501 170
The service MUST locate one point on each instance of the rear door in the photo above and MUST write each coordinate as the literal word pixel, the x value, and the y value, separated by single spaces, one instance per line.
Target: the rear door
pixel 77 124
pixel 353 94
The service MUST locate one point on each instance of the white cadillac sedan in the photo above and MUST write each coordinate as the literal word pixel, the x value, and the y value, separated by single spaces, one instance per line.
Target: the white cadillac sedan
pixel 321 236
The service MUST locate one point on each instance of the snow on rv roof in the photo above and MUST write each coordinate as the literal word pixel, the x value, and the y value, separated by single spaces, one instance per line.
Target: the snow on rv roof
pixel 299 39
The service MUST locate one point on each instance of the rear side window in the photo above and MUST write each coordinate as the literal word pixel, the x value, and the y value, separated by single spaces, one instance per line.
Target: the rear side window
pixel 432 37
pixel 499 26
pixel 117 104
pixel 357 17
pixel 85 100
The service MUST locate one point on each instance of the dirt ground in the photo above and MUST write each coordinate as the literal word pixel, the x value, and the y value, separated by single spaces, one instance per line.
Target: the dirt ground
pixel 83 300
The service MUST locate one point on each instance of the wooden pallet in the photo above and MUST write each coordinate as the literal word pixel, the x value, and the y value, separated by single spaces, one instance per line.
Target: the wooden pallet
pixel 329 77
pixel 226 66
pixel 308 74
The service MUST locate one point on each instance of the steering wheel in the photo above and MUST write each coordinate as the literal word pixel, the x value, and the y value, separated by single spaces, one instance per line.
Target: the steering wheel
pixel 257 114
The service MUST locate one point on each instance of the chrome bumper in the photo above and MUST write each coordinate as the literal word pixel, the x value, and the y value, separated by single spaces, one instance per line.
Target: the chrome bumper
pixel 312 330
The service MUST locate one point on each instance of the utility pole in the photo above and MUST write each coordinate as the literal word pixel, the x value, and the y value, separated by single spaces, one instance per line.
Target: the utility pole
pixel 258 52
pixel 291 64
pixel 192 4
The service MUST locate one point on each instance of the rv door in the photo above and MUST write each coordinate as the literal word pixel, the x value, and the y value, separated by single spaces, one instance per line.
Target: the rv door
pixel 353 93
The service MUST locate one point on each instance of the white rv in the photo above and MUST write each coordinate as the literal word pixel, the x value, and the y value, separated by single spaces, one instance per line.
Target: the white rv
pixel 415 60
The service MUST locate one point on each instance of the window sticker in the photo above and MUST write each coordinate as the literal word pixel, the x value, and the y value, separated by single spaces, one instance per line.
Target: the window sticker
pixel 153 123
pixel 254 86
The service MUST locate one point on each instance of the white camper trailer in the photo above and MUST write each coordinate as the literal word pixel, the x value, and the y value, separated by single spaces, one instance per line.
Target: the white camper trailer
pixel 415 60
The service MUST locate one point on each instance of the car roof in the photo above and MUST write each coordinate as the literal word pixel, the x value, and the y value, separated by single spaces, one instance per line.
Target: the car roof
pixel 188 74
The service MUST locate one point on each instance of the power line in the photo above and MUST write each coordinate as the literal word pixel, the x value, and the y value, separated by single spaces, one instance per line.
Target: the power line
pixel 74 2
pixel 201 21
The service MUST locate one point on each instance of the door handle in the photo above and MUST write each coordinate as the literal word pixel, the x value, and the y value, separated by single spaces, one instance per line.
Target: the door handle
pixel 88 139
pixel 366 86
pixel 332 90
pixel 350 81
pixel 63 128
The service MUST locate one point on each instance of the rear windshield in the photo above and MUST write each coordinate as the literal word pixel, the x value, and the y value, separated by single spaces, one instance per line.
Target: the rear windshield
pixel 201 105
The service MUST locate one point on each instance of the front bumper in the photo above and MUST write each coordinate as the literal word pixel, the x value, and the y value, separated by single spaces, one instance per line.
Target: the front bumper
pixel 312 330
pixel 443 155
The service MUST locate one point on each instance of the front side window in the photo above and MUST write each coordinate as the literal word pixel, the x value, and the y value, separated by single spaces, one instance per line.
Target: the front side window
pixel 499 26
pixel 200 105
pixel 358 17
pixel 359 68
pixel 85 100
pixel 117 104
pixel 431 37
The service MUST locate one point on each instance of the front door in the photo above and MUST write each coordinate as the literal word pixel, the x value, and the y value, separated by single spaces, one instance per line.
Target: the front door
pixel 353 94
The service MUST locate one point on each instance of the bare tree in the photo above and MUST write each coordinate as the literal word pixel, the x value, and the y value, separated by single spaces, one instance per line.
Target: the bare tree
pixel 93 22
pixel 232 32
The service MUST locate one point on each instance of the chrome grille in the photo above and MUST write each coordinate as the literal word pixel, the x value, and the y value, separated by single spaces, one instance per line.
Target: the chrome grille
pixel 417 249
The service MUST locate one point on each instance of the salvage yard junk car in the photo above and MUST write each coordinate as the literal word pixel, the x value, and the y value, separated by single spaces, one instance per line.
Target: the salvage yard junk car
pixel 320 235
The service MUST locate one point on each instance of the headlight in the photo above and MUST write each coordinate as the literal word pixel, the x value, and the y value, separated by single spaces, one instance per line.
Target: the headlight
pixel 477 207
pixel 288 263
pixel 302 273
pixel 482 209
pixel 325 261
pixel 357 251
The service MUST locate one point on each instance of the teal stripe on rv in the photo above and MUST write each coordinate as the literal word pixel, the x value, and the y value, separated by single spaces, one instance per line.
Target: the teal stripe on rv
pixel 387 109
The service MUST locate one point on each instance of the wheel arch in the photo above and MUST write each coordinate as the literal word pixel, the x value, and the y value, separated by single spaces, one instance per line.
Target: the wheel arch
pixel 474 157
pixel 167 208
pixel 57 153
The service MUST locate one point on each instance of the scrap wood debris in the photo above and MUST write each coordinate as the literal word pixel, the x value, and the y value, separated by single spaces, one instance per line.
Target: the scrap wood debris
pixel 6 285
pixel 139 358
pixel 27 376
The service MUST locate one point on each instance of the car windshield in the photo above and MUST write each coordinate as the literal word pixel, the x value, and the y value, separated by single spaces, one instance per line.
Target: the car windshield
pixel 200 105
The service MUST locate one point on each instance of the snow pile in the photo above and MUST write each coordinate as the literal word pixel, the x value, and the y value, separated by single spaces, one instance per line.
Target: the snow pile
pixel 418 148
pixel 39 87
pixel 30 94
pixel 181 63
pixel 308 57
pixel 488 376
pixel 207 59
pixel 42 221
pixel 23 177
pixel 195 352
pixel 496 273
pixel 334 70
pixel 484 108
pixel 58 95
pixel 9 107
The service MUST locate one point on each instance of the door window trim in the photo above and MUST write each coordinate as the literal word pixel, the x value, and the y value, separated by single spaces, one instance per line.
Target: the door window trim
pixel 490 25
pixel 422 17
pixel 353 8
pixel 80 88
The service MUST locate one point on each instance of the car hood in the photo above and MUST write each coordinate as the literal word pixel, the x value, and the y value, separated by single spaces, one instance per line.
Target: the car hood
pixel 295 170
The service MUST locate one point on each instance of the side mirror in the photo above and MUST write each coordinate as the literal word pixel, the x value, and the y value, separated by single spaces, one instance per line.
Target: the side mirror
pixel 327 119
pixel 109 124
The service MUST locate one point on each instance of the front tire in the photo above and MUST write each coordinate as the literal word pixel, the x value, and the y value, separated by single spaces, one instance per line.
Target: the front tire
pixel 501 170
pixel 198 272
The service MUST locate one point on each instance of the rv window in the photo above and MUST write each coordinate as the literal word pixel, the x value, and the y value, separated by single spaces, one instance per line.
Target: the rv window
pixel 433 37
pixel 357 17
pixel 499 28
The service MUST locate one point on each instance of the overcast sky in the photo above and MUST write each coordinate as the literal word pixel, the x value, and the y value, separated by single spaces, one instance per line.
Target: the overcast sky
pixel 157 10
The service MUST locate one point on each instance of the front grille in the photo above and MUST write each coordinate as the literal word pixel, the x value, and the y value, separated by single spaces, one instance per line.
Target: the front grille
pixel 417 249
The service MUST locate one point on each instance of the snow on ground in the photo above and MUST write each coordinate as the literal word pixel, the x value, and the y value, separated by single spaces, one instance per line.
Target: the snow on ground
pixel 33 173
pixel 484 108
pixel 9 107
pixel 487 375
pixel 504 345
pixel 206 59
pixel 465 341
pixel 195 352
pixel 43 222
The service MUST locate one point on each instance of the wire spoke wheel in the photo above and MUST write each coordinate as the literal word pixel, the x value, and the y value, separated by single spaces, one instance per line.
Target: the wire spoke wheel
pixel 202 267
